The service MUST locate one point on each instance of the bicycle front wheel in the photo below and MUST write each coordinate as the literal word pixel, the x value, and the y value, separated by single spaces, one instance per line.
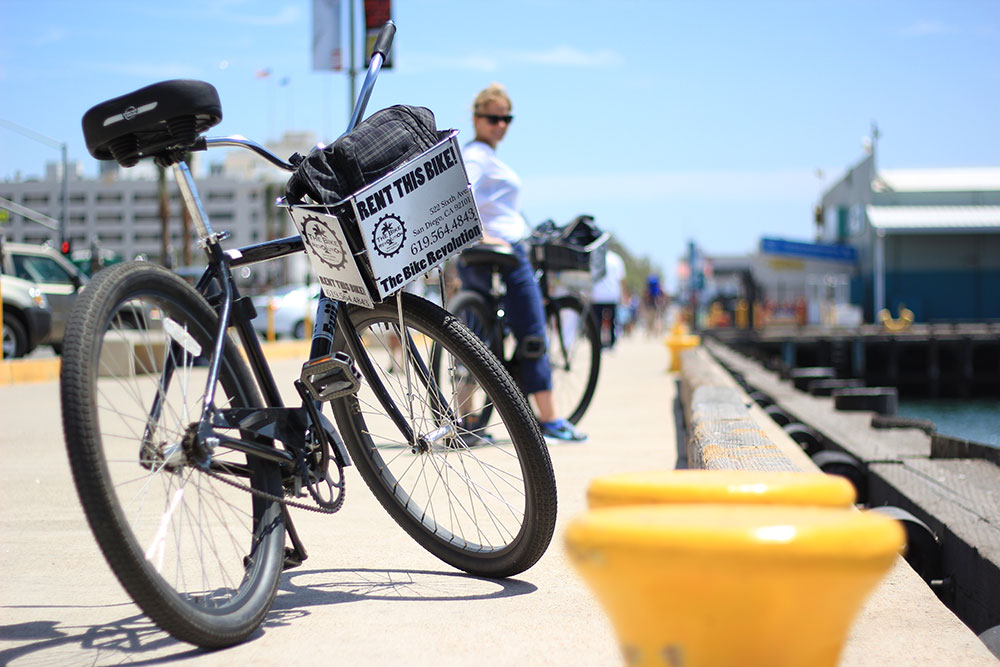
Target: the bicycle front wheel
pixel 574 345
pixel 199 556
pixel 480 498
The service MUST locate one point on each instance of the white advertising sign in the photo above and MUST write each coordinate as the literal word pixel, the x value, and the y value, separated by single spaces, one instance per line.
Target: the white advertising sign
pixel 336 269
pixel 417 216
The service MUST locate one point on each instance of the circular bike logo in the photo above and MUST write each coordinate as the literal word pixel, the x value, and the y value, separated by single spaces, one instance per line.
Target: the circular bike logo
pixel 325 244
pixel 388 235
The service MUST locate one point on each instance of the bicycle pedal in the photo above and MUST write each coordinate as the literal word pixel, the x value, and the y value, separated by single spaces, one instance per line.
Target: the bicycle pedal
pixel 331 377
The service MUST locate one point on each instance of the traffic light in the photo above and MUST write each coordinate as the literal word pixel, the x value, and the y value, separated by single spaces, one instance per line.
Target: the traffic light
pixel 66 247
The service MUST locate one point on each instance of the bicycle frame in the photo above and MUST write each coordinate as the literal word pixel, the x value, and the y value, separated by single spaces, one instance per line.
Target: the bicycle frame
pixel 235 312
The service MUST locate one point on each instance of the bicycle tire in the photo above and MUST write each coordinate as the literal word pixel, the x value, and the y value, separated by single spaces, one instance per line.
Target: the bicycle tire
pixel 140 492
pixel 475 312
pixel 574 355
pixel 483 502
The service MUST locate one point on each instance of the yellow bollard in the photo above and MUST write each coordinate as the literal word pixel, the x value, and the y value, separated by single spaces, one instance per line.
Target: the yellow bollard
pixel 901 323
pixel 721 486
pixel 270 321
pixel 715 584
pixel 742 314
pixel 677 343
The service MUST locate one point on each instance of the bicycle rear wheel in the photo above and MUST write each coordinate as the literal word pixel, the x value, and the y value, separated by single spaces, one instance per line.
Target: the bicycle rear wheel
pixel 574 354
pixel 482 500
pixel 474 311
pixel 200 557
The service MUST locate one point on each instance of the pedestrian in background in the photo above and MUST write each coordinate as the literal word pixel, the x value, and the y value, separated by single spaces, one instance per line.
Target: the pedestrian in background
pixel 606 295
pixel 496 188
pixel 655 305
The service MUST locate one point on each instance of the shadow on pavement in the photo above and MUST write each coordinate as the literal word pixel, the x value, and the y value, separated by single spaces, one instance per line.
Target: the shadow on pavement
pixel 115 642
pixel 126 640
pixel 311 588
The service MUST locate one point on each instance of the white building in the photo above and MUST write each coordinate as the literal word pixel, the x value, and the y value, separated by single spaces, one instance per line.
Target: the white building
pixel 928 239
pixel 120 210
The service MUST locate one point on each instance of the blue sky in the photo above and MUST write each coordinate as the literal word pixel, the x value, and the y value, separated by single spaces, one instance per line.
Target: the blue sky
pixel 718 122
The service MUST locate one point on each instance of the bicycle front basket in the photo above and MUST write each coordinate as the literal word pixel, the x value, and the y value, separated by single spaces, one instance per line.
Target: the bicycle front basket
pixel 395 229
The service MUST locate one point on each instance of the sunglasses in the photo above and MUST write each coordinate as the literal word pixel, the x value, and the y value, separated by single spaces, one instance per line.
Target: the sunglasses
pixel 494 119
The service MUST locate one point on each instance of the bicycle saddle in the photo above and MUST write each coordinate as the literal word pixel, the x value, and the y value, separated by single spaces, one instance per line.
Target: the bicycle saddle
pixel 486 254
pixel 156 119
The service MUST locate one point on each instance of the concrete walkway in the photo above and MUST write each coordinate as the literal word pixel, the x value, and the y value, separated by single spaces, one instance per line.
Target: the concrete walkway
pixel 367 595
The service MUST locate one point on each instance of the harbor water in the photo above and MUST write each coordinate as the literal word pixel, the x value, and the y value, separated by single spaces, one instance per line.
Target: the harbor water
pixel 976 419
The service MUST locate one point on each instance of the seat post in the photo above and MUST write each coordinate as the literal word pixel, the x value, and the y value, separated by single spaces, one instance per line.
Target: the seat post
pixel 189 191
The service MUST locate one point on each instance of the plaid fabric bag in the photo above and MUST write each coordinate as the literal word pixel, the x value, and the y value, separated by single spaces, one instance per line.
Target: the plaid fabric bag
pixel 375 147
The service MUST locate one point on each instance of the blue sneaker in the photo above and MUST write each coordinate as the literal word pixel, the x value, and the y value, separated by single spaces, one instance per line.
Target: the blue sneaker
pixel 561 431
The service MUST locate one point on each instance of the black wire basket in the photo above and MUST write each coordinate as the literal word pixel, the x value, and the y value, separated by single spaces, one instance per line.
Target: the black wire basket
pixel 577 246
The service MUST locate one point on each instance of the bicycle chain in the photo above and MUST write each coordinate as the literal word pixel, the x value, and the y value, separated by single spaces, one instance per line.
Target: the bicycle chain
pixel 279 499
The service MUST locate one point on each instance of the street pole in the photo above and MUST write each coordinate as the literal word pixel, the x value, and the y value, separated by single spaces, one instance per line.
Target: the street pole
pixel 353 71
pixel 64 215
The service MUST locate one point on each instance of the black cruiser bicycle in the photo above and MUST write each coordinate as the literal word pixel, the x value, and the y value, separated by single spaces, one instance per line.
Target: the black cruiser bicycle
pixel 572 334
pixel 187 462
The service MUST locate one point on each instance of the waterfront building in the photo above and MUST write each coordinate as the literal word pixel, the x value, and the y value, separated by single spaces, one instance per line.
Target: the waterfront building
pixel 928 239
pixel 789 281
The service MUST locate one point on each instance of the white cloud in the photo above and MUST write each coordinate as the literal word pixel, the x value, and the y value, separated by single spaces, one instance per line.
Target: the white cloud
pixel 149 70
pixel 697 185
pixel 560 56
pixel 49 35
pixel 288 15
pixel 422 62
pixel 927 28
pixel 568 56
pixel 225 12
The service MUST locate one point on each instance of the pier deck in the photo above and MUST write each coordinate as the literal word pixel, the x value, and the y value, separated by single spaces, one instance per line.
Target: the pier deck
pixel 958 498
pixel 935 360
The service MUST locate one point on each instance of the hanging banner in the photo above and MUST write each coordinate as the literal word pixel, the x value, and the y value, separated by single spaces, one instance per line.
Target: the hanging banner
pixel 416 217
pixel 327 49
pixel 377 12
pixel 335 268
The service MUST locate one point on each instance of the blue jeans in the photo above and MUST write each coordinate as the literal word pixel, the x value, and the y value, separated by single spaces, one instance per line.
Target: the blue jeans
pixel 525 315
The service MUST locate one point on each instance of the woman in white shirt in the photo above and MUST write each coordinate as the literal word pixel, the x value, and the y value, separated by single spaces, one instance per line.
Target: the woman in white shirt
pixel 496 189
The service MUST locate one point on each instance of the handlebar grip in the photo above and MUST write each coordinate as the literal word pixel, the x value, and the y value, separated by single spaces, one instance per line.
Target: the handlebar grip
pixel 384 41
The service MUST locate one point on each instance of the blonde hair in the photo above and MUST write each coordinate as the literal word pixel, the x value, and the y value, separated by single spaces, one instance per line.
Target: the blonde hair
pixel 492 92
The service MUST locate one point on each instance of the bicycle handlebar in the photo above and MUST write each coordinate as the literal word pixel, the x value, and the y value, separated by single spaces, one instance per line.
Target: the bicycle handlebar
pixel 384 40
pixel 237 141
pixel 382 44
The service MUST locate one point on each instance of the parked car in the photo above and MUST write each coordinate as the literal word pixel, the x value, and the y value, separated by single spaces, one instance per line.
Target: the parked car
pixel 27 318
pixel 55 275
pixel 90 262
pixel 290 304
